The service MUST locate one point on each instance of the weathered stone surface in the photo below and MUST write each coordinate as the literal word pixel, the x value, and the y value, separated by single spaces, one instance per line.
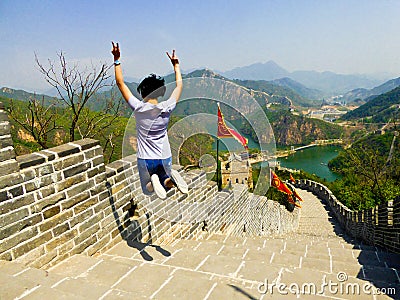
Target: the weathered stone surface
pixel 64 150
pixel 15 204
pixel 51 211
pixel 60 218
pixel 10 218
pixel 31 244
pixel 14 228
pixel 8 167
pixel 49 156
pixel 18 238
pixel 71 201
pixel 68 162
pixel 87 143
pixel 29 160
pixel 67 183
pixel 6 141
pixel 118 166
pixel 76 169
pixel 7 153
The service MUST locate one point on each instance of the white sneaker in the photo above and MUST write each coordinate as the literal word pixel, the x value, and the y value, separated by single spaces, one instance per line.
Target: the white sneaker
pixel 158 188
pixel 179 182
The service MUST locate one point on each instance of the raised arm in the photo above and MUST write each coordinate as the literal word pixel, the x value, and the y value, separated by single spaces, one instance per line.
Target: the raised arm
pixel 178 76
pixel 125 91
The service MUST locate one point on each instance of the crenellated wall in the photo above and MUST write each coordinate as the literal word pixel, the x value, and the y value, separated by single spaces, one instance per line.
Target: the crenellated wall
pixel 378 226
pixel 64 200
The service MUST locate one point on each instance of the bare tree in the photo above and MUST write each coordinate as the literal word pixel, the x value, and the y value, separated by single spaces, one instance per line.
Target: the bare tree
pixel 39 120
pixel 74 86
pixel 104 124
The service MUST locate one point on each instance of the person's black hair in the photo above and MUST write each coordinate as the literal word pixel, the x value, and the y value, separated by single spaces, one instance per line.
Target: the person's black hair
pixel 152 85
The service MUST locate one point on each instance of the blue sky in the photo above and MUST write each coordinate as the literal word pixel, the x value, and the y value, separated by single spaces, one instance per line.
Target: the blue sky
pixel 343 36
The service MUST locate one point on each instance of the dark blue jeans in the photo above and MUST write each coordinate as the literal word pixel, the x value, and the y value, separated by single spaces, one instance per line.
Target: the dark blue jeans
pixel 148 167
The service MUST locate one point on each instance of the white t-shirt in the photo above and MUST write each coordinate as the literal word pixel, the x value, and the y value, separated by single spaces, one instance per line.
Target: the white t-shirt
pixel 151 126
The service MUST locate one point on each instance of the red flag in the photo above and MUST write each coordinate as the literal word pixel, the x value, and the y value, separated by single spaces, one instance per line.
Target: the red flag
pixel 226 132
pixel 297 195
pixel 276 182
pixel 292 179
pixel 292 201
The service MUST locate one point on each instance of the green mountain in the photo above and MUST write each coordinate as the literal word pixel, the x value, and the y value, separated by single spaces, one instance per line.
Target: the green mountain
pixel 299 88
pixel 380 109
pixel 276 92
pixel 366 95
pixel 291 129
pixel 22 95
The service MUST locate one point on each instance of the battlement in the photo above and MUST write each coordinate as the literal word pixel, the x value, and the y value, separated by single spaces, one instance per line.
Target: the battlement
pixel 64 200
pixel 379 226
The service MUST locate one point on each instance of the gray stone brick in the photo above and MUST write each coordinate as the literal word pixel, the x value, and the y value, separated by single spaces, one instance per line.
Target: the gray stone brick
pixel 4 128
pixel 58 219
pixel 98 151
pixel 6 142
pixel 71 201
pixel 64 150
pixel 51 211
pixel 118 166
pixel 78 219
pixel 6 154
pixel 8 167
pixel 85 205
pixel 84 186
pixel 61 239
pixel 28 174
pixel 97 161
pixel 31 244
pixel 14 228
pixel 69 182
pixel 60 229
pixel 81 247
pixel 6 219
pixel 49 156
pixel 46 191
pixel 76 169
pixel 15 204
pixel 87 143
pixel 29 160
pixel 10 180
pixel 48 201
pixel 68 162
pixel 18 238
pixel 45 169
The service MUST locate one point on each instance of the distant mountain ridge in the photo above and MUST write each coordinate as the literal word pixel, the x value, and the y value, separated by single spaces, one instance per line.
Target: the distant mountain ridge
pixel 368 94
pixel 258 71
pixel 328 82
pixel 22 95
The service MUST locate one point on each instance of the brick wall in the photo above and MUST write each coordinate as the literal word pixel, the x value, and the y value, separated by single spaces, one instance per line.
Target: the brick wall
pixel 378 226
pixel 64 200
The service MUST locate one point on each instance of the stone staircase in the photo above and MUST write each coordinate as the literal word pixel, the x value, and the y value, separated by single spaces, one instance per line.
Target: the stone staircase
pixel 221 267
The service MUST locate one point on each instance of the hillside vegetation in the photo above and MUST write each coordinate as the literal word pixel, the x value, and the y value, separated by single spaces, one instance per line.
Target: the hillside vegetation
pixel 379 109
pixel 370 171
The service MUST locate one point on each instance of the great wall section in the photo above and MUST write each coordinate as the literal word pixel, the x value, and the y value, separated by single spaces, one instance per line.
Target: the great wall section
pixel 72 227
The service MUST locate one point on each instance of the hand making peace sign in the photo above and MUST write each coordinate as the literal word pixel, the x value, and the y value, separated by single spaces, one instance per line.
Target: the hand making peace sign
pixel 173 58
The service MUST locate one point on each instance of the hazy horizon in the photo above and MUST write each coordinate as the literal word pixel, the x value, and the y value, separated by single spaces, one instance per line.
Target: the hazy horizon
pixel 344 37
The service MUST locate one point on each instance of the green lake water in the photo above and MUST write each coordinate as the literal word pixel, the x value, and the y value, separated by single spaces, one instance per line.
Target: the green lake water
pixel 313 160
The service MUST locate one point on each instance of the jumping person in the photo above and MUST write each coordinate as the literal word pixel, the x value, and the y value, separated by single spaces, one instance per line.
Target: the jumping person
pixel 154 156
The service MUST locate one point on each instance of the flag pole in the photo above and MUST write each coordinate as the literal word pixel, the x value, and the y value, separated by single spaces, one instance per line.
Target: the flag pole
pixel 218 184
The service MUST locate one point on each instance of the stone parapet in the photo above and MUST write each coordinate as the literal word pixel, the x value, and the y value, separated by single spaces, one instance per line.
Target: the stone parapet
pixel 378 226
